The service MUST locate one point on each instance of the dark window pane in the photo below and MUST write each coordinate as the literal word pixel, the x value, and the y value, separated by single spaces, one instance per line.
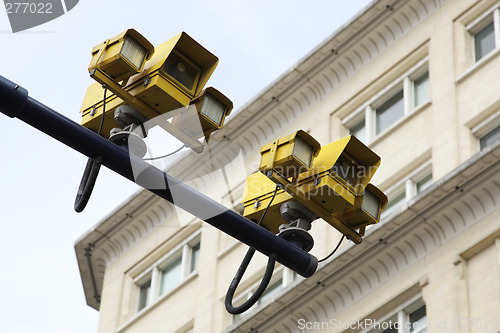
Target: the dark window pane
pixel 195 254
pixel 359 131
pixel 418 320
pixel 420 89
pixel 424 183
pixel 171 276
pixel 271 290
pixel 490 138
pixel 484 41
pixel 393 204
pixel 144 295
pixel 390 112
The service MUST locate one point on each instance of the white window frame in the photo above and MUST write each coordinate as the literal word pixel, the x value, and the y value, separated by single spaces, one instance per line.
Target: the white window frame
pixel 394 192
pixel 355 124
pixel 400 314
pixel 140 283
pixel 491 15
pixel 368 110
pixel 497 130
pixel 408 185
pixel 183 250
pixel 485 127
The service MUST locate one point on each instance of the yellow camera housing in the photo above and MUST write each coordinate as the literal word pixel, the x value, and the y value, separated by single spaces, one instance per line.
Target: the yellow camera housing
pixel 291 155
pixel 177 73
pixel 335 187
pixel 122 56
pixel 256 197
pixel 339 173
pixel 366 209
pixel 212 108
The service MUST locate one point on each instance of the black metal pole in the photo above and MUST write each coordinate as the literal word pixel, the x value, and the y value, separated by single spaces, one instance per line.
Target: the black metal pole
pixel 15 102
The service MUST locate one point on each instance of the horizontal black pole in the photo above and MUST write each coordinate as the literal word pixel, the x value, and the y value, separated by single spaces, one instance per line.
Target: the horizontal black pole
pixel 15 102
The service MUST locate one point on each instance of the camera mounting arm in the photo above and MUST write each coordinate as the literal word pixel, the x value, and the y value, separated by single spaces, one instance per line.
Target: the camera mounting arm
pixel 318 209
pixel 145 110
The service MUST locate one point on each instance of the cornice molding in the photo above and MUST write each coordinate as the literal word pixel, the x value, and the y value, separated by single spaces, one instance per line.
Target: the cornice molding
pixel 143 214
pixel 323 70
pixel 317 75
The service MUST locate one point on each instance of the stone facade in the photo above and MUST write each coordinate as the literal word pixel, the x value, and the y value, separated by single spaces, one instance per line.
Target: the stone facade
pixel 434 257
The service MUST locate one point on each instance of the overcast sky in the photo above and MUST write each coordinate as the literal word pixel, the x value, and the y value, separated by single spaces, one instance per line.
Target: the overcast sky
pixel 256 41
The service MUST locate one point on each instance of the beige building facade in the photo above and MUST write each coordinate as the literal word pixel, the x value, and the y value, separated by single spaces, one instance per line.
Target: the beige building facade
pixel 417 82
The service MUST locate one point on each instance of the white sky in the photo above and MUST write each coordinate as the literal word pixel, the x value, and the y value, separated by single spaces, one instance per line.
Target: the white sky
pixel 256 41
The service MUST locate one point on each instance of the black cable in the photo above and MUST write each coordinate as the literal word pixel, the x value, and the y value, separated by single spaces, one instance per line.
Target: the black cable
pixel 87 183
pixel 91 169
pixel 269 204
pixel 237 278
pixel 334 250
pixel 103 109
pixel 228 301
pixel 144 133
pixel 164 156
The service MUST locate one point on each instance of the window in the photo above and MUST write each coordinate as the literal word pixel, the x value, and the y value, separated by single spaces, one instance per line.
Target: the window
pixel 395 201
pixel 408 318
pixel 359 130
pixel 271 289
pixel 421 89
pixel 168 273
pixel 486 130
pixel 391 330
pixel 144 295
pixel 484 41
pixel 195 254
pixel 171 275
pixel 424 183
pixel 414 184
pixel 401 98
pixel 485 33
pixel 418 320
pixel 489 138
pixel 389 112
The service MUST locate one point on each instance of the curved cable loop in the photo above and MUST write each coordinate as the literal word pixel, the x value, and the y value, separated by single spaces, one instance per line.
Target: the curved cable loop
pixel 91 169
pixel 228 301
pixel 87 183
